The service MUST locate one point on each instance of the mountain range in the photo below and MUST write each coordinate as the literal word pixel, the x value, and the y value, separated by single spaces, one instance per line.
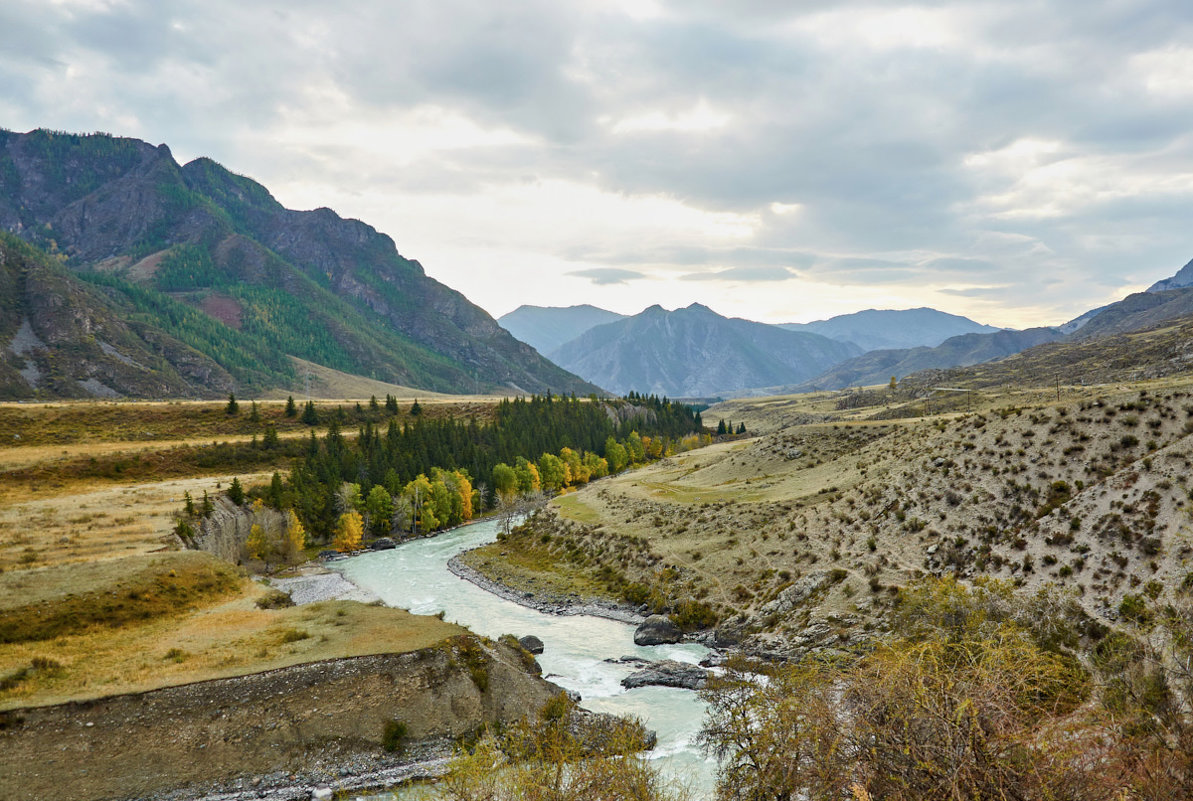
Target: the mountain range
pixel 126 274
pixel 878 329
pixel 546 328
pixel 695 352
pixel 206 272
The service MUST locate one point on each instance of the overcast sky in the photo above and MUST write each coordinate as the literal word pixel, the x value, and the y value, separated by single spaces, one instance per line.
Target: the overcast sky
pixel 1017 161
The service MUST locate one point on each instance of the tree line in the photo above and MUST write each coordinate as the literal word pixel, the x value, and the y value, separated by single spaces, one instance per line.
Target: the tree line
pixel 422 474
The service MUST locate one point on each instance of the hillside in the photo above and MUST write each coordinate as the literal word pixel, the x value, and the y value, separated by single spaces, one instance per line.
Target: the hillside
pixel 200 253
pixel 694 352
pixel 546 328
pixel 66 338
pixel 801 537
pixel 877 367
pixel 889 329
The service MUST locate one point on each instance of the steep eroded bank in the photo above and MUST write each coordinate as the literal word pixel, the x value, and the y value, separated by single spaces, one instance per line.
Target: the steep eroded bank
pixel 301 719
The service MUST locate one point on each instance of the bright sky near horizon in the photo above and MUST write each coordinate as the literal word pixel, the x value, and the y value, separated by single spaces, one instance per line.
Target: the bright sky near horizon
pixel 1017 161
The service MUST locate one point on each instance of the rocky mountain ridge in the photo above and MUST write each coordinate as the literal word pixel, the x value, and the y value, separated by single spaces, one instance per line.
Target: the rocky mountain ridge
pixel 126 216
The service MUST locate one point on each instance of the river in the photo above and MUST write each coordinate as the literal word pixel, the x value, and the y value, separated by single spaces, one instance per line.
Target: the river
pixel 414 576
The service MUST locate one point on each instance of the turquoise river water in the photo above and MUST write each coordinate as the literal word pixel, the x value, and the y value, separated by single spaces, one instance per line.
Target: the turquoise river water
pixel 414 576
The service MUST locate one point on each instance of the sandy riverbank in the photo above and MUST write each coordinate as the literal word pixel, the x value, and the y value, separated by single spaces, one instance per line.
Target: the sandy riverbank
pixel 549 603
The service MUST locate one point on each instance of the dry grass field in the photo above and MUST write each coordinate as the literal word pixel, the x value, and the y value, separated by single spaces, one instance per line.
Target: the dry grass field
pixel 95 596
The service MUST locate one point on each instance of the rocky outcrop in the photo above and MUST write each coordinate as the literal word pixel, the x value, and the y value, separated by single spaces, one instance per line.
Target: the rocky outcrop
pixel 667 673
pixel 531 643
pixel 323 718
pixel 795 595
pixel 657 630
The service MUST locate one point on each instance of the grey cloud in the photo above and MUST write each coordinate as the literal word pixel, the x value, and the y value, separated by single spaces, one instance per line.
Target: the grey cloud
pixel 602 276
pixel 870 142
pixel 743 274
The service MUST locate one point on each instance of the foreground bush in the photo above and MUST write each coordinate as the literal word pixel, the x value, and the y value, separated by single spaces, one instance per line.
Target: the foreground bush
pixel 560 756
pixel 965 703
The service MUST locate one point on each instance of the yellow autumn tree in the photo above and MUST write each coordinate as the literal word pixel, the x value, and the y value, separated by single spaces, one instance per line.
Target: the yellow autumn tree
pixel 349 531
pixel 256 545
pixel 296 536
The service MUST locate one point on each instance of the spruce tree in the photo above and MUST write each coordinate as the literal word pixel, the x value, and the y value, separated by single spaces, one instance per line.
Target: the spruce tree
pixel 254 414
pixel 270 441
pixel 233 407
pixel 391 404
pixel 291 410
pixel 309 415
pixel 416 410
pixel 236 492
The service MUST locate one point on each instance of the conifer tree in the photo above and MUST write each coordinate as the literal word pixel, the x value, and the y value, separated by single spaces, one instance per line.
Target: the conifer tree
pixel 236 492
pixel 309 415
pixel 254 414
pixel 391 404
pixel 188 504
pixel 270 440
pixel 275 491
pixel 291 409
pixel 416 410
pixel 233 407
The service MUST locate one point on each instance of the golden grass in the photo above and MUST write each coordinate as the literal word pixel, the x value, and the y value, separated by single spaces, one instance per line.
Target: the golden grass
pixel 43 604
pixel 232 638
pixel 86 522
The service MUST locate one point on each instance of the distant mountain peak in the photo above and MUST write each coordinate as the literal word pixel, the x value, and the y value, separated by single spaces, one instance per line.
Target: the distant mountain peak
pixel 1182 279
pixel 695 352
pixel 545 328
pixel 888 329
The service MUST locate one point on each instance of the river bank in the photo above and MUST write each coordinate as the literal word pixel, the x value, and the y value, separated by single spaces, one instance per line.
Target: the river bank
pixel 546 602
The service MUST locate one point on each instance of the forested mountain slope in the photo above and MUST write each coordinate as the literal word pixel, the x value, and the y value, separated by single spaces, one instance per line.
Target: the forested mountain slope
pixel 164 239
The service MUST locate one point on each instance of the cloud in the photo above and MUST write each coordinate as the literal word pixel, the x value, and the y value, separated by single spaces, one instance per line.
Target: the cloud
pixel 743 274
pixel 921 152
pixel 603 276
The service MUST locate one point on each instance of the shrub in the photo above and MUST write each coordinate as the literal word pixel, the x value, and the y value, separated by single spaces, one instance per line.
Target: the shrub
pixel 294 635
pixel 394 736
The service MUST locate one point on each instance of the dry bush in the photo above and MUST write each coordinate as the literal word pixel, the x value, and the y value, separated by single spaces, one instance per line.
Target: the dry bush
pixel 559 756
pixel 966 704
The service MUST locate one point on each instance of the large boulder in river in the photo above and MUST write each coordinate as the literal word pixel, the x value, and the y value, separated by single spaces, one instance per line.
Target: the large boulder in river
pixel 667 673
pixel 657 630
pixel 531 643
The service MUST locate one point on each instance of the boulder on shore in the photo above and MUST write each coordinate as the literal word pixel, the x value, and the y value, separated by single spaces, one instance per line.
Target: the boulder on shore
pixel 667 673
pixel 531 643
pixel 657 630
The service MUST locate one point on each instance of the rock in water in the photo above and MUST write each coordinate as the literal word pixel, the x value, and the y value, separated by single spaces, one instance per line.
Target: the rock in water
pixel 531 643
pixel 657 630
pixel 667 673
